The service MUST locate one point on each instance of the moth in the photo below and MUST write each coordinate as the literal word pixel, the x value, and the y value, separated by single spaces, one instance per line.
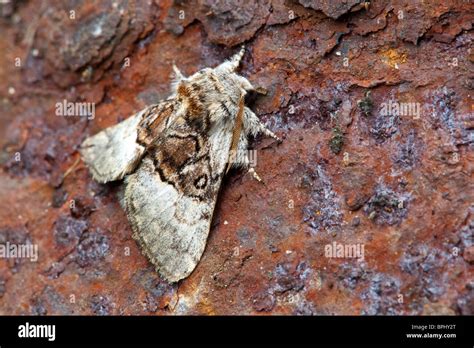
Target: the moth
pixel 173 156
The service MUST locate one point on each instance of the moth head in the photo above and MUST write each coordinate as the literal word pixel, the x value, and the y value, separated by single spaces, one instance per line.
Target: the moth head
pixel 243 83
pixel 227 71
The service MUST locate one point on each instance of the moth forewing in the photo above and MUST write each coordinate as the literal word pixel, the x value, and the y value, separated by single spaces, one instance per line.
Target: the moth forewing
pixel 114 152
pixel 174 156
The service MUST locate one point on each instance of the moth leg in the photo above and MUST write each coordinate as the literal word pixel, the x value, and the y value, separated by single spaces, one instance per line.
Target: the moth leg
pixel 242 160
pixel 255 175
pixel 253 126
pixel 261 90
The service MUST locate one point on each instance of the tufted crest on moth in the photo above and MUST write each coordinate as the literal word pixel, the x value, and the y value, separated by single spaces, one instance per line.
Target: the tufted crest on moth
pixel 189 94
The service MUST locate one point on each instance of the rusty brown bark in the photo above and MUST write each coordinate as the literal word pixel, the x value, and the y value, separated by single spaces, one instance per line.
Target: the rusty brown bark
pixel 375 105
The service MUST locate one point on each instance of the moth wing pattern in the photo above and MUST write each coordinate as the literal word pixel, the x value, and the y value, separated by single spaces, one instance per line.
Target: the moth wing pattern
pixel 170 199
pixel 174 156
pixel 171 228
pixel 114 152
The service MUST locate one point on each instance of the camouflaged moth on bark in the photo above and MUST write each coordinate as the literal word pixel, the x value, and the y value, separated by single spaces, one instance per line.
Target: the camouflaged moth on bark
pixel 173 156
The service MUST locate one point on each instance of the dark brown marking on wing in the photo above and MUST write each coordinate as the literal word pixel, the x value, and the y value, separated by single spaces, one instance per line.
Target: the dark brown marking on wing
pixel 226 109
pixel 196 181
pixel 152 123
pixel 194 106
pixel 201 181
pixel 174 152
pixel 180 152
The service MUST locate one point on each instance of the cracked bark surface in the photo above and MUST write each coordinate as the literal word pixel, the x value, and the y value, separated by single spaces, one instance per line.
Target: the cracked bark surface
pixel 346 172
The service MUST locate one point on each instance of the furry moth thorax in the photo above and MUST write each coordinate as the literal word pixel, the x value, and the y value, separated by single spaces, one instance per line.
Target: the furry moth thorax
pixel 173 156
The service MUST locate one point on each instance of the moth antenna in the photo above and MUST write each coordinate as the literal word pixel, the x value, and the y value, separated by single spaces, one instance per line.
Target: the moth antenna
pixel 232 64
pixel 177 73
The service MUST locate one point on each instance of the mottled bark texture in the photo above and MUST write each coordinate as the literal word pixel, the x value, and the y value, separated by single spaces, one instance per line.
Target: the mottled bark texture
pixel 373 102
